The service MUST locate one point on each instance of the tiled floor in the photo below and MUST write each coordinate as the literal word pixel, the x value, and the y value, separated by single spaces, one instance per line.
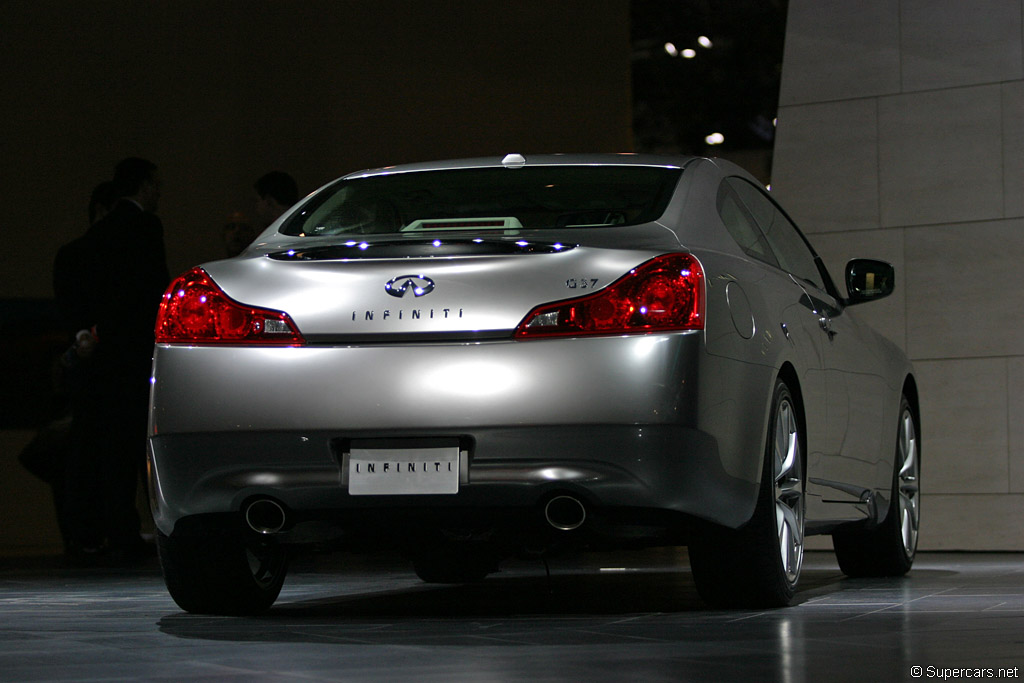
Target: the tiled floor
pixel 599 617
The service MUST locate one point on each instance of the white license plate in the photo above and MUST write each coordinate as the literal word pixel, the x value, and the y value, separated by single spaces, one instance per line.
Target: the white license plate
pixel 403 471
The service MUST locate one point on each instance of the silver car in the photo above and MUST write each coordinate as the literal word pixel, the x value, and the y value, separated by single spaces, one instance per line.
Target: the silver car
pixel 471 359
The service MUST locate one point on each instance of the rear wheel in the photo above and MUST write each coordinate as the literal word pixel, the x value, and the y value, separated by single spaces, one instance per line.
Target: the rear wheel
pixel 220 575
pixel 759 564
pixel 889 548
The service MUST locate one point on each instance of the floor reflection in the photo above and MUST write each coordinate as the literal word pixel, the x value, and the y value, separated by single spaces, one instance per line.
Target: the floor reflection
pixel 627 616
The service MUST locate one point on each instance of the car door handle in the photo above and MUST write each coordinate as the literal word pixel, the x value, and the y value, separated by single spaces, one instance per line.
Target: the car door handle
pixel 826 326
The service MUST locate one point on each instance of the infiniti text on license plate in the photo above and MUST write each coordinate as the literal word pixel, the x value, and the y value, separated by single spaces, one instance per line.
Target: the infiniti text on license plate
pixel 403 471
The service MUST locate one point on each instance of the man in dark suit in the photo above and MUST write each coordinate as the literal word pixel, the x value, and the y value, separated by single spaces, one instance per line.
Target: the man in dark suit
pixel 109 283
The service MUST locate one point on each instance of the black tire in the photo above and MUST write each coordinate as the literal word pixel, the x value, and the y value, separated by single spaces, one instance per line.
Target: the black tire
pixel 748 567
pixel 454 563
pixel 220 575
pixel 889 548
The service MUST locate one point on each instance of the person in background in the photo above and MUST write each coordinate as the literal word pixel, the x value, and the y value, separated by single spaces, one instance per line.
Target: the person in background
pixel 109 283
pixel 46 456
pixel 277 192
pixel 237 234
pixel 102 200
pixel 71 259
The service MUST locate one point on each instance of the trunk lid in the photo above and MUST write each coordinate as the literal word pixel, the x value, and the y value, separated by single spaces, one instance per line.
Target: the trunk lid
pixel 461 286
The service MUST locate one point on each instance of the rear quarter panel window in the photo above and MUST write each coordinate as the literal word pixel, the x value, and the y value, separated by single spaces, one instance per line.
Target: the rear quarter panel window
pixel 789 246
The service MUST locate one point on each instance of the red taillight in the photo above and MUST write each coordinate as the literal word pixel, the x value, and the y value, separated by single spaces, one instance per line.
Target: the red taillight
pixel 194 310
pixel 660 295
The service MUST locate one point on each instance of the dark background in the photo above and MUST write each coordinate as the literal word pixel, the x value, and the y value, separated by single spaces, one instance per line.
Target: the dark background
pixel 218 93
pixel 730 88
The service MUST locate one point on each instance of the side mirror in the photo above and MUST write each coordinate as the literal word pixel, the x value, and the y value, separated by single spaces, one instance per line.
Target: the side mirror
pixel 869 280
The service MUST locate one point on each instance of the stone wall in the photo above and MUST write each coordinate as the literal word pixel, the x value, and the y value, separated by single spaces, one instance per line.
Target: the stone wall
pixel 901 136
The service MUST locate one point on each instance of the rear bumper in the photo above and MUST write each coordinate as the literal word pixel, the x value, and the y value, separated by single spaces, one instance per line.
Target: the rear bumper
pixel 605 466
pixel 611 421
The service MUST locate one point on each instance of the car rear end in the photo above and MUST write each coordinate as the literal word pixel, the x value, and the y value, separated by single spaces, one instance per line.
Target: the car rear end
pixel 388 367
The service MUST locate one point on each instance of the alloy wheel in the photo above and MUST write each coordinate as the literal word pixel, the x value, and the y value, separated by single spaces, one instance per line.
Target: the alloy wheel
pixel 789 493
pixel 909 475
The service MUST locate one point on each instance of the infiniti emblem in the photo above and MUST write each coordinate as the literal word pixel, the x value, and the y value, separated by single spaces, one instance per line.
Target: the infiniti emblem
pixel 419 285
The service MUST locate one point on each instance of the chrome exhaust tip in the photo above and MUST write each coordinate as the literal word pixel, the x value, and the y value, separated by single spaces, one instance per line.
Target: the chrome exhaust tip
pixel 565 513
pixel 265 516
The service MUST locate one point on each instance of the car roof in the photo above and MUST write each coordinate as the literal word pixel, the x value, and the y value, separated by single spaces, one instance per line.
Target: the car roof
pixel 515 160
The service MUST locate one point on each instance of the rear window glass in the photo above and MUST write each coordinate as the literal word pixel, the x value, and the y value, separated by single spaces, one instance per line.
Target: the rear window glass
pixel 487 199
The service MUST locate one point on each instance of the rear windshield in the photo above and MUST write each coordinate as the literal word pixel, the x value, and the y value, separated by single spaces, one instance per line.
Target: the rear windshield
pixel 540 197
